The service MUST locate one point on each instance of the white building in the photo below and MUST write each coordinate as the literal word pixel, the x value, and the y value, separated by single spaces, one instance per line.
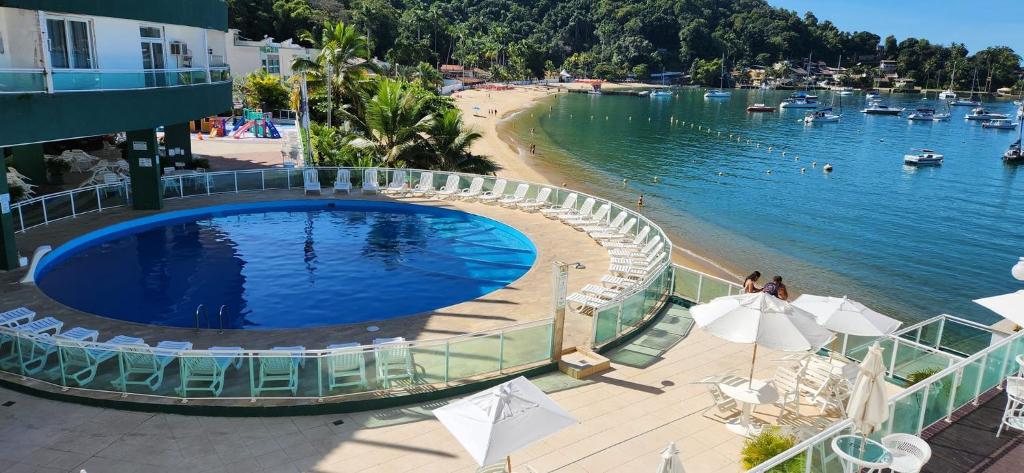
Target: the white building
pixel 246 56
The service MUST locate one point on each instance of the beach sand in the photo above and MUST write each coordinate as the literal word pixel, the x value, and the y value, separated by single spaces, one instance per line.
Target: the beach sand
pixel 517 164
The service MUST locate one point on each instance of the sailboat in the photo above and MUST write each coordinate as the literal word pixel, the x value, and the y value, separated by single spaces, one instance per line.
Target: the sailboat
pixel 826 115
pixel 760 106
pixel 1014 155
pixel 719 93
pixel 968 102
pixel 949 94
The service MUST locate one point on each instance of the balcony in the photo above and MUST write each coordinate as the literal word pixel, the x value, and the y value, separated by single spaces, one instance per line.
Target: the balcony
pixel 32 81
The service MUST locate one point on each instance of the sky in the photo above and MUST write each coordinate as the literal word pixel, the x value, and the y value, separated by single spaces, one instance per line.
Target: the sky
pixel 978 24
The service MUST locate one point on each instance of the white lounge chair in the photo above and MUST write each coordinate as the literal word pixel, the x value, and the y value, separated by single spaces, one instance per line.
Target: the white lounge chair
pixel 343 181
pixel 638 272
pixel 636 243
pixel 643 251
pixel 475 188
pixel 370 183
pixel 575 214
pixel 310 181
pixel 584 303
pixel 346 366
pixel 393 360
pixel 274 370
pixel 16 317
pixel 601 292
pixel 640 259
pixel 45 326
pixel 147 363
pixel 567 206
pixel 518 196
pixel 614 224
pixel 597 218
pixel 617 282
pixel 397 184
pixel 80 360
pixel 496 192
pixel 618 234
pixel 450 187
pixel 537 202
pixel 425 185
pixel 207 368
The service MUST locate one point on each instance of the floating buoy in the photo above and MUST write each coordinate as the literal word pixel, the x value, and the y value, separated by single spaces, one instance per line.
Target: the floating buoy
pixel 814 164
pixel 769 149
pixel 591 117
pixel 648 118
pixel 783 153
pixel 768 171
pixel 720 173
pixel 758 145
pixel 882 140
pixel 803 170
pixel 631 118
pixel 625 182
pixel 796 158
pixel 656 179
pixel 606 117
pixel 828 167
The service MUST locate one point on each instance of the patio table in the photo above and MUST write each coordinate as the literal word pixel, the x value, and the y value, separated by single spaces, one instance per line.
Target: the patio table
pixel 857 453
pixel 749 393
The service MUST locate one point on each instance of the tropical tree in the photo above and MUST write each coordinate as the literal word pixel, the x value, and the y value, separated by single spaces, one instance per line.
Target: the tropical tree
pixel 428 76
pixel 341 65
pixel 391 125
pixel 450 144
pixel 264 91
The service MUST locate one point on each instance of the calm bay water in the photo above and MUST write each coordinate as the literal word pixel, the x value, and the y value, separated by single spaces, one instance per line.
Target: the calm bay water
pixel 910 242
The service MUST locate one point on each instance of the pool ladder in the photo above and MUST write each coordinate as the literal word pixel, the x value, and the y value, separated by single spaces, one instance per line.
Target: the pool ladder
pixel 202 314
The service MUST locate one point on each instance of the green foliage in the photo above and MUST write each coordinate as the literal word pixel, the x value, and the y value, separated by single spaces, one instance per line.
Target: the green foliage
pixel 769 443
pixel 707 72
pixel 263 91
pixel 920 375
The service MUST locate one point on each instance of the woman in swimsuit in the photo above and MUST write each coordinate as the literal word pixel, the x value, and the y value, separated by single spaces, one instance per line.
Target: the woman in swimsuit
pixel 748 284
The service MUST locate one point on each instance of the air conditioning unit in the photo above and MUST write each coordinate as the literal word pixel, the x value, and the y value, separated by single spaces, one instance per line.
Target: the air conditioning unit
pixel 178 48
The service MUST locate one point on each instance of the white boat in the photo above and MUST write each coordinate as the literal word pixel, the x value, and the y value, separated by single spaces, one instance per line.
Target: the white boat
pixel 878 108
pixel 661 93
pixel 824 115
pixel 872 94
pixel 980 114
pixel 964 103
pixel 926 157
pixel 1013 154
pixel 643 93
pixel 1000 124
pixel 927 115
pixel 719 93
pixel 947 94
pixel 800 100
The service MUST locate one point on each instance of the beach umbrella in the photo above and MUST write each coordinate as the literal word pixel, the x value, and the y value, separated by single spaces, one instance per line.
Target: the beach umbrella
pixel 848 317
pixel 867 407
pixel 670 462
pixel 492 424
pixel 1009 306
pixel 761 319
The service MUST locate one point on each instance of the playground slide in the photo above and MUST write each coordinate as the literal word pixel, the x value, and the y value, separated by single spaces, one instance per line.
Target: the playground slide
pixel 240 131
pixel 273 130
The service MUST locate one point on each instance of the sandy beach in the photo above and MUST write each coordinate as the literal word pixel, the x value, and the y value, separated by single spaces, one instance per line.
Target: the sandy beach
pixel 516 163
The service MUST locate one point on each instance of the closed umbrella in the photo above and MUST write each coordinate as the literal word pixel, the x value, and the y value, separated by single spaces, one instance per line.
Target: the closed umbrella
pixel 492 424
pixel 1009 306
pixel 761 319
pixel 848 317
pixel 670 462
pixel 867 407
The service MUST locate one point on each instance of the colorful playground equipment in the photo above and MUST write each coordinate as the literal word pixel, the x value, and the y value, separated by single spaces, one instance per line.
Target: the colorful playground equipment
pixel 256 123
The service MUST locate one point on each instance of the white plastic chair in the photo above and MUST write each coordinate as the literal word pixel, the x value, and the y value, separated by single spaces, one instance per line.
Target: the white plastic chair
pixel 346 366
pixel 496 192
pixel 537 202
pixel 343 181
pixel 370 183
pixel 310 181
pixel 476 186
pixel 1013 415
pixel 397 184
pixel 518 196
pixel 909 453
pixel 566 207
pixel 425 186
pixel 787 383
pixel 450 187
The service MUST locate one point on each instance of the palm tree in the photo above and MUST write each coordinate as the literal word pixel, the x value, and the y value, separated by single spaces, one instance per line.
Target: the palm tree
pixel 392 123
pixel 450 145
pixel 341 64
pixel 427 76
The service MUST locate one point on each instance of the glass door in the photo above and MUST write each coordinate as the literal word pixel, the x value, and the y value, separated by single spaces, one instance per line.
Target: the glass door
pixel 153 56
pixel 70 45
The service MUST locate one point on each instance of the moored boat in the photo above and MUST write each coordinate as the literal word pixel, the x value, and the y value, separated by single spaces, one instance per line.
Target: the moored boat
pixel 1014 155
pixel 878 108
pixel 824 115
pixel 760 107
pixel 927 115
pixel 872 94
pixel 964 103
pixel 1000 124
pixel 947 94
pixel 980 114
pixel 926 157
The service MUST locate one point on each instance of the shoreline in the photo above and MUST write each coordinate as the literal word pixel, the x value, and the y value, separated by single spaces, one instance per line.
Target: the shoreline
pixel 503 147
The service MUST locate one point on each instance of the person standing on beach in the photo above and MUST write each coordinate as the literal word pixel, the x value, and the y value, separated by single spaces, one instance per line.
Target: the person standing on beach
pixel 749 284
pixel 776 288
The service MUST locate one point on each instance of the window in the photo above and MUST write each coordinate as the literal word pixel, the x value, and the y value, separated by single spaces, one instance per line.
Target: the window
pixel 70 43
pixel 150 32
pixel 271 63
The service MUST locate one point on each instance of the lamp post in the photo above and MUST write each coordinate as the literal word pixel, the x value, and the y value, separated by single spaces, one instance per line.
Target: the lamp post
pixel 1018 270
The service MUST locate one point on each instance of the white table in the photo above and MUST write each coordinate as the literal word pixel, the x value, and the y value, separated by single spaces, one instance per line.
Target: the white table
pixel 749 394
pixel 857 453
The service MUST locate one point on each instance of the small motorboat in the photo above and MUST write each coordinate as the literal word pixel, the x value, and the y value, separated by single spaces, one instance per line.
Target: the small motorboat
pixel 872 94
pixel 926 157
pixel 643 93
pixel 1013 154
pixel 1000 124
pixel 878 108
pixel 824 115
pixel 927 115
pixel 980 114
pixel 661 93
pixel 800 101
pixel 845 91
pixel 964 103
pixel 717 94
pixel 759 108
pixel 947 94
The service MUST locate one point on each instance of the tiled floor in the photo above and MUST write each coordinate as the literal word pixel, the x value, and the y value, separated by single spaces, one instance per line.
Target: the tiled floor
pixel 627 415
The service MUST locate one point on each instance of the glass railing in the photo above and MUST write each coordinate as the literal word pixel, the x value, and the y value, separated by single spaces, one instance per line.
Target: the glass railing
pixel 20 81
pixel 391 369
pixel 915 409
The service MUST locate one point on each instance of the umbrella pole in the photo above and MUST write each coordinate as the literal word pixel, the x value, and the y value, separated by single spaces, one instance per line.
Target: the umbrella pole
pixel 508 463
pixel 753 359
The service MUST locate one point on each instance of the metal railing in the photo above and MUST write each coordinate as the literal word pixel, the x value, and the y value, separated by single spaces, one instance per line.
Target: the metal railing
pixel 441 361
pixel 918 407
pixel 44 209
pixel 34 80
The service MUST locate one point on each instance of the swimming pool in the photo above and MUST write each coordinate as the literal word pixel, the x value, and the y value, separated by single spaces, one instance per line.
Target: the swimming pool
pixel 286 264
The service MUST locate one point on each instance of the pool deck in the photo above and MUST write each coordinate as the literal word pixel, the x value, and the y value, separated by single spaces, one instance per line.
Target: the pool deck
pixel 526 299
pixel 627 415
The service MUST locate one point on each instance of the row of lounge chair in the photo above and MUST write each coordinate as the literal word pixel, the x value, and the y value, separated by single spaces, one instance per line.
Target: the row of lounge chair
pixel 634 256
pixel 39 348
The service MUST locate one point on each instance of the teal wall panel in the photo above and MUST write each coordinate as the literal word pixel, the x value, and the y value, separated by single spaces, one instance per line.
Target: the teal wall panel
pixel 211 14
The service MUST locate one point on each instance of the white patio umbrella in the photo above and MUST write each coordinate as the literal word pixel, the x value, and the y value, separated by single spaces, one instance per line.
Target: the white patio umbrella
pixel 761 319
pixel 867 407
pixel 848 317
pixel 1009 306
pixel 670 462
pixel 492 424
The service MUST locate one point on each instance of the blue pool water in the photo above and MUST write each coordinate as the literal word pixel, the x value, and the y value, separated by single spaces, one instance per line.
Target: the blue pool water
pixel 912 243
pixel 286 264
